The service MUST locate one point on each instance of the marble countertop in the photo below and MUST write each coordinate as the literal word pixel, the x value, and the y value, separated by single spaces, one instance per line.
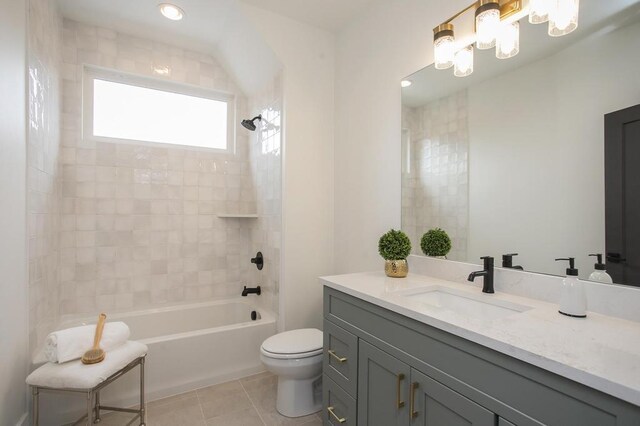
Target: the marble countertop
pixel 599 351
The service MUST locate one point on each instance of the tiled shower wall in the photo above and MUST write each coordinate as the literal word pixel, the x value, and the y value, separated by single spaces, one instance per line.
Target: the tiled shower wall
pixel 266 164
pixel 138 223
pixel 43 177
pixel 435 178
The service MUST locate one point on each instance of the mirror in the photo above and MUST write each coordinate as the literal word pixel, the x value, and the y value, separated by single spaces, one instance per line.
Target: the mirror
pixel 511 159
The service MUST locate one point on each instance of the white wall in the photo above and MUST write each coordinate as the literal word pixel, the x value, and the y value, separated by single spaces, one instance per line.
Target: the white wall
pixel 14 355
pixel 44 63
pixel 536 183
pixel 245 55
pixel 307 55
pixel 389 41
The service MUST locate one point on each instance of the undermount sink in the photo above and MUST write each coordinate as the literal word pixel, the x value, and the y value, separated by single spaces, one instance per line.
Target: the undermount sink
pixel 464 303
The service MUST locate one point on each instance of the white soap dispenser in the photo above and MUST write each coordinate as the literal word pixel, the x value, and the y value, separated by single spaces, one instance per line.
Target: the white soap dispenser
pixel 573 301
pixel 600 274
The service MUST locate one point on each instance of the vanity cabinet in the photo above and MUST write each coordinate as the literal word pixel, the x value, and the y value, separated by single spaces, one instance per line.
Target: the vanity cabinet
pixel 394 394
pixel 340 361
pixel 383 388
pixel 339 407
pixel 433 404
pixel 404 372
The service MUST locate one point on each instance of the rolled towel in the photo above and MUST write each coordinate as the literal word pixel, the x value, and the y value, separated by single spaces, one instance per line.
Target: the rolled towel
pixel 69 344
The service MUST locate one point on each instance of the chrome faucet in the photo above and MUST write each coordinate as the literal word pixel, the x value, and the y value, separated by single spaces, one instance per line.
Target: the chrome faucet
pixel 486 273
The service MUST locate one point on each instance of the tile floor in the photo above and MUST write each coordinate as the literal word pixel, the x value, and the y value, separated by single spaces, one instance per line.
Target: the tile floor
pixel 250 401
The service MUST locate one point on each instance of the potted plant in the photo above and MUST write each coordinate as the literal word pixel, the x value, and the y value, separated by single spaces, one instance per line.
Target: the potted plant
pixel 436 243
pixel 394 247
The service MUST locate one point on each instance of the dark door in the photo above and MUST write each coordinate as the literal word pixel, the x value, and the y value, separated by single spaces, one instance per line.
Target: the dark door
pixel 622 195
pixel 434 404
pixel 383 388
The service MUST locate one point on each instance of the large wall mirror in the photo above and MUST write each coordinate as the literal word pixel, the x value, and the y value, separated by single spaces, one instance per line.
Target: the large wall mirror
pixel 538 154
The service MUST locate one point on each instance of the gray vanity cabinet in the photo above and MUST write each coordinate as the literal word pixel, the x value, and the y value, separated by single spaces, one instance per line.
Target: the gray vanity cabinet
pixel 339 407
pixel 340 361
pixel 433 404
pixel 393 394
pixel 384 369
pixel 383 388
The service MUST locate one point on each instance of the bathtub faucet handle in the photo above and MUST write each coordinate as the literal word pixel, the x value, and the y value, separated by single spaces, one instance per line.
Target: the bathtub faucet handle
pixel 251 290
pixel 258 260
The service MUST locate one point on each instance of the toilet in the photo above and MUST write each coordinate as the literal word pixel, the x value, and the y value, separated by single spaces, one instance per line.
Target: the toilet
pixel 296 358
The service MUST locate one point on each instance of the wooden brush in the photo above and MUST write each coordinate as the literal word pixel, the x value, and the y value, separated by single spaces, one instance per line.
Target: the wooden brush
pixel 95 354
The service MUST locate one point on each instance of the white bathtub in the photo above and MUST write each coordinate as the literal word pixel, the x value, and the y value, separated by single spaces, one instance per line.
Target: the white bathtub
pixel 190 346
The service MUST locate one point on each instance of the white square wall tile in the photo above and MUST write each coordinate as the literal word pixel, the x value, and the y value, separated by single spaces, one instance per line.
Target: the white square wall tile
pixel 137 224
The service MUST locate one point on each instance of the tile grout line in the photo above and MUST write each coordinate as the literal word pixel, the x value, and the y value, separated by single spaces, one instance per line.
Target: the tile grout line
pixel 200 406
pixel 252 404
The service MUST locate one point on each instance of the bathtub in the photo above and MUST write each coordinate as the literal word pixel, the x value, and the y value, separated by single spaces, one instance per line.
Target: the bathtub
pixel 190 346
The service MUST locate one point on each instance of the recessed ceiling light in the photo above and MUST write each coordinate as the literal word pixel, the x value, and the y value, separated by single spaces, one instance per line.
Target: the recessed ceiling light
pixel 406 83
pixel 171 11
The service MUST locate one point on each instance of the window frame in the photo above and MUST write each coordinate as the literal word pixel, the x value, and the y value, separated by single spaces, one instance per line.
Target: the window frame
pixel 91 73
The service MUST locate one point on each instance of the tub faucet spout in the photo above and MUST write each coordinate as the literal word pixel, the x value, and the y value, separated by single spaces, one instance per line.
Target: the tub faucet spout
pixel 250 290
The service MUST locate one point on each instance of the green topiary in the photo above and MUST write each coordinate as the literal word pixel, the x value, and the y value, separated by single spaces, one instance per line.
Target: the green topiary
pixel 435 242
pixel 394 245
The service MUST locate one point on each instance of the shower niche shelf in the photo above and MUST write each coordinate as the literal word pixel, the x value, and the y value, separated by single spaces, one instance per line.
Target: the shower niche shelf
pixel 237 215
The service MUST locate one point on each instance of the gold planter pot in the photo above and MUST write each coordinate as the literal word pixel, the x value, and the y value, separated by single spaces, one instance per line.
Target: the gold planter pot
pixel 396 268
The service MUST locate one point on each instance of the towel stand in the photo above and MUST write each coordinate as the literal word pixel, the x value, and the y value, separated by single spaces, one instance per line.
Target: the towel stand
pixel 93 397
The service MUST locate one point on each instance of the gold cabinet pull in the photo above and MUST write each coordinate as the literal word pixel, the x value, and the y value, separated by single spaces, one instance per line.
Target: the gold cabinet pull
pixel 412 401
pixel 338 358
pixel 338 419
pixel 399 402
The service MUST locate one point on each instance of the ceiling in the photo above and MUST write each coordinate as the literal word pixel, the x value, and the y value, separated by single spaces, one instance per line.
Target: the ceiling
pixel 204 23
pixel 208 18
pixel 217 27
pixel 331 15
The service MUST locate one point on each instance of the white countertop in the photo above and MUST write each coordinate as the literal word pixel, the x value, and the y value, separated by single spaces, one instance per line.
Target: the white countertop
pixel 599 351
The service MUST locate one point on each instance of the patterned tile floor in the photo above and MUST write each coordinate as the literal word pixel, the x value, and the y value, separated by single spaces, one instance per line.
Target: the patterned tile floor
pixel 250 401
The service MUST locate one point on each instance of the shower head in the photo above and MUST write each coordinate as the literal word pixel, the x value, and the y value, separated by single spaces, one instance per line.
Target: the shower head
pixel 250 124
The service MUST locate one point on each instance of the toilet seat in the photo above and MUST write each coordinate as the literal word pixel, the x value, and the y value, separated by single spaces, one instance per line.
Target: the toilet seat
pixel 291 356
pixel 302 343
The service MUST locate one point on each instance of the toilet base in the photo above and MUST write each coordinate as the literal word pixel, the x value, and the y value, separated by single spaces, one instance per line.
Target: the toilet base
pixel 297 398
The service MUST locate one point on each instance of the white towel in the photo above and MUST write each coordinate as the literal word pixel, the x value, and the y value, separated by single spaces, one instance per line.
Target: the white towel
pixel 76 375
pixel 71 343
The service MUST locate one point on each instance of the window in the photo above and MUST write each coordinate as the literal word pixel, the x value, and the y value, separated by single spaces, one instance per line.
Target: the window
pixel 123 108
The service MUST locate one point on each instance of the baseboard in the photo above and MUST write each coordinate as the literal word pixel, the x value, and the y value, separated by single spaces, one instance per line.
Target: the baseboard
pixel 199 384
pixel 24 420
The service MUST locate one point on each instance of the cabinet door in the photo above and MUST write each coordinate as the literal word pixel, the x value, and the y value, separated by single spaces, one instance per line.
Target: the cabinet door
pixel 433 404
pixel 383 388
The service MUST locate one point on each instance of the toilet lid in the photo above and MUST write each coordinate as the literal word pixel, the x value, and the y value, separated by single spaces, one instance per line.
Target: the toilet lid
pixel 294 342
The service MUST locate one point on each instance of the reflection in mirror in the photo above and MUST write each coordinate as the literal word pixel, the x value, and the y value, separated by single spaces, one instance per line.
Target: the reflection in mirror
pixel 511 159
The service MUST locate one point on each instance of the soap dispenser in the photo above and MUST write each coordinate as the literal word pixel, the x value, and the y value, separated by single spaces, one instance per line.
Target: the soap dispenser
pixel 600 274
pixel 573 302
